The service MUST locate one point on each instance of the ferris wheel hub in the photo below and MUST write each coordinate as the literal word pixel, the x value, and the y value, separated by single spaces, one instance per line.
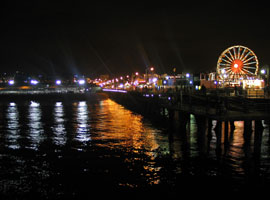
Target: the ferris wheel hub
pixel 237 65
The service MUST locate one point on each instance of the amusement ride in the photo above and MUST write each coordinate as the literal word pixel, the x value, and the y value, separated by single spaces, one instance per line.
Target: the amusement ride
pixel 237 65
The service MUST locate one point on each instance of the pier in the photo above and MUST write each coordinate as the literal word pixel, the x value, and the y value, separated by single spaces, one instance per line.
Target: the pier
pixel 178 106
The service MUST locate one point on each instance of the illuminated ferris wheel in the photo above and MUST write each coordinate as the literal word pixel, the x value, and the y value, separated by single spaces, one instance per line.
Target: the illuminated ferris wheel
pixel 237 63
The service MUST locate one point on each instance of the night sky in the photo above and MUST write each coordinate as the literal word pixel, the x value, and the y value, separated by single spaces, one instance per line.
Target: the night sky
pixel 58 37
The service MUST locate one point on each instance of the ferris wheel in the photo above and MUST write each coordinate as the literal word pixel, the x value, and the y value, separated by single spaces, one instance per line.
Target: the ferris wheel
pixel 236 63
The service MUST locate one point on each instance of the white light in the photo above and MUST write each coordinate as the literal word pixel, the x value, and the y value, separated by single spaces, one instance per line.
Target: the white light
pixel 58 82
pixel 235 65
pixel 187 75
pixel 34 82
pixel 11 82
pixel 34 104
pixel 82 103
pixel 257 82
pixel 223 71
pixel 81 82
pixel 58 104
pixel 112 90
pixel 121 85
pixel 12 104
pixel 154 80
pixel 263 71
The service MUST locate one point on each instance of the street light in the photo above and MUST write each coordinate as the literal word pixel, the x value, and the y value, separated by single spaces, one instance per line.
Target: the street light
pixel 11 82
pixel 81 82
pixel 34 82
pixel 154 80
pixel 265 71
pixel 58 82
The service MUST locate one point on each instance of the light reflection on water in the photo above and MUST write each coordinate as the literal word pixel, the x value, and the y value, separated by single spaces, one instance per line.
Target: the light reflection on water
pixel 124 128
pixel 13 126
pixel 59 128
pixel 120 141
pixel 82 122
pixel 36 131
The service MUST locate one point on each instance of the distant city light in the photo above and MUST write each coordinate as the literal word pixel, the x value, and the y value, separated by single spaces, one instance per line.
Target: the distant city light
pixel 135 82
pixel 121 85
pixel 187 75
pixel 111 90
pixel 58 82
pixel 34 82
pixel 155 80
pixel 11 82
pixel 81 81
pixel 263 71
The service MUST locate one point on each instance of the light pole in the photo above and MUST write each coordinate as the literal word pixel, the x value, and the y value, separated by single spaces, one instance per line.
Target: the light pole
pixel 265 72
pixel 147 70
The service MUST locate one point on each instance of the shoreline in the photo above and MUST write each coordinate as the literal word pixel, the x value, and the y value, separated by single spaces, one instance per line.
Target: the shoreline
pixel 52 97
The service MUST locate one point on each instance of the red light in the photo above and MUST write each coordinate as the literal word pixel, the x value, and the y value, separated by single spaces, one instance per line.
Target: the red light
pixel 237 66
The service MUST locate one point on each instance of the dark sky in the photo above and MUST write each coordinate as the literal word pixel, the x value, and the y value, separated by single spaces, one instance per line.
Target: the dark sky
pixel 56 37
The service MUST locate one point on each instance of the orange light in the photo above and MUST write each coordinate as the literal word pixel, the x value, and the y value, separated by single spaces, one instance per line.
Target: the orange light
pixel 24 87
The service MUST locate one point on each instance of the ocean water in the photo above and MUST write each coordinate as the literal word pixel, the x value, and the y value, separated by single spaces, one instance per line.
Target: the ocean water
pixel 81 148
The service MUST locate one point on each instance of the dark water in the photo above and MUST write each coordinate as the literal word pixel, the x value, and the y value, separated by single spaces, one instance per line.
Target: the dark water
pixel 79 149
